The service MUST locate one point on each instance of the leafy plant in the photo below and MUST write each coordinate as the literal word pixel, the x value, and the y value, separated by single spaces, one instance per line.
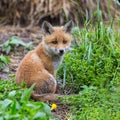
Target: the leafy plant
pixel 93 103
pixel 15 103
pixel 13 42
pixel 95 61
pixel 4 60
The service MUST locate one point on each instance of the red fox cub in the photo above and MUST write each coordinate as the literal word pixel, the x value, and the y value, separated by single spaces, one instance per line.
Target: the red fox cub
pixel 39 66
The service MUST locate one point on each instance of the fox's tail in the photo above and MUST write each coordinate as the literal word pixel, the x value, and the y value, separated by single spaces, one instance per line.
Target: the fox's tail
pixel 46 97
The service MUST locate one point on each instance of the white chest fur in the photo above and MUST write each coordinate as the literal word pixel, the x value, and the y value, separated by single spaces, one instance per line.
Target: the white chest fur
pixel 57 60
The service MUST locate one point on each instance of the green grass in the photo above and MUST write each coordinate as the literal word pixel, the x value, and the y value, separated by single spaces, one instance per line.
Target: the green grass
pixel 91 72
pixel 94 59
pixel 94 104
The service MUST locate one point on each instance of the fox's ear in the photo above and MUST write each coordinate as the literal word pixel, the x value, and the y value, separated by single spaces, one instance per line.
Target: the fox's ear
pixel 68 26
pixel 47 28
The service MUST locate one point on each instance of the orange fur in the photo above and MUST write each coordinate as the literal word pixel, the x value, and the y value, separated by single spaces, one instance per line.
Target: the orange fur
pixel 39 65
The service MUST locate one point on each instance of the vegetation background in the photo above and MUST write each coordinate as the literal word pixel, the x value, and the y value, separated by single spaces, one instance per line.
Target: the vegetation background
pixel 90 73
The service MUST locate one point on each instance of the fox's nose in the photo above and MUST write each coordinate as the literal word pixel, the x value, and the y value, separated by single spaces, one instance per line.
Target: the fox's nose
pixel 61 51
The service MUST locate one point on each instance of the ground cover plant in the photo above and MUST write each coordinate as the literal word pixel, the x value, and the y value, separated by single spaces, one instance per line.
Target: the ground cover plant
pixel 4 60
pixel 15 103
pixel 92 71
pixel 95 61
pixel 93 103
pixel 14 42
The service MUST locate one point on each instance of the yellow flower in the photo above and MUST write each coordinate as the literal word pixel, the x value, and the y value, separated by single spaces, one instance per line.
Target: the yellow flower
pixel 53 106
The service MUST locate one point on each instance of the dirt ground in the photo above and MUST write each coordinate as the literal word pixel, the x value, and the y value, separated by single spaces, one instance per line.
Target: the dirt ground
pixel 33 35
pixel 27 35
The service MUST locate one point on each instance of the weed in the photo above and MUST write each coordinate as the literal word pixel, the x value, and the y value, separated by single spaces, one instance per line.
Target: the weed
pixel 4 60
pixel 94 104
pixel 92 70
pixel 95 61
pixel 13 42
pixel 15 103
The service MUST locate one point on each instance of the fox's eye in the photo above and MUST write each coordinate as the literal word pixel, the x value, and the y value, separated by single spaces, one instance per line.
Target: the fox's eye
pixel 64 41
pixel 54 42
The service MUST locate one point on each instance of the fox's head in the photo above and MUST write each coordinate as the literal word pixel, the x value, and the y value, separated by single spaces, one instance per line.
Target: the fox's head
pixel 57 39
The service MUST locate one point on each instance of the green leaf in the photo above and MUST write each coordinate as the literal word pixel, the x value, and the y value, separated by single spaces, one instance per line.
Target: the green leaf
pixel 1 64
pixel 12 94
pixel 5 59
pixel 1 118
pixel 33 106
pixel 26 94
pixel 16 41
pixel 46 109
pixel 13 107
pixel 40 115
pixel 6 44
pixel 89 52
pixel 6 69
pixel 29 46
pixel 12 117
pixel 6 103
pixel 7 49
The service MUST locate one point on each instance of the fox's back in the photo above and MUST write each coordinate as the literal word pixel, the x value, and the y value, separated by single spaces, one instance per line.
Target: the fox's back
pixel 30 64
